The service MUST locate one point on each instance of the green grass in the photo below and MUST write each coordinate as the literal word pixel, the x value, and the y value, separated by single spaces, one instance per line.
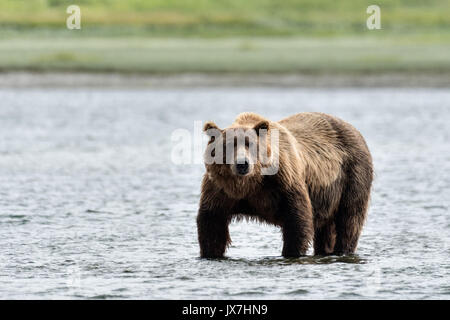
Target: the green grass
pixel 169 36
pixel 156 55
pixel 228 17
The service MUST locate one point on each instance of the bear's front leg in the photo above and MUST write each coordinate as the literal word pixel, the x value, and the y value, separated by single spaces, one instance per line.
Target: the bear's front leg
pixel 297 224
pixel 213 235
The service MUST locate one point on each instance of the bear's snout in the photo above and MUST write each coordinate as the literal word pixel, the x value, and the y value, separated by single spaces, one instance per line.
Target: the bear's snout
pixel 242 167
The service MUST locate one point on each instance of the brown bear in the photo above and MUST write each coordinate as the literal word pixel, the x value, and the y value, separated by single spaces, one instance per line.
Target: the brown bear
pixel 319 192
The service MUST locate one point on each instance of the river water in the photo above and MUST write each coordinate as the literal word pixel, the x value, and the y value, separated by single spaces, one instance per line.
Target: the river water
pixel 92 206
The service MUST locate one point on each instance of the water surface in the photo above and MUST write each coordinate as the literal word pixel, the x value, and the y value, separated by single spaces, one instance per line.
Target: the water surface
pixel 91 206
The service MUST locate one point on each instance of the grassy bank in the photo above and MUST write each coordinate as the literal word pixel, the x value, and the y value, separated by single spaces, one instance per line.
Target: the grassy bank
pixel 157 55
pixel 227 17
pixel 235 36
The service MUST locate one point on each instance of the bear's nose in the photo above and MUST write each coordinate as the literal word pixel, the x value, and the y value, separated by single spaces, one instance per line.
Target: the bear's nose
pixel 242 168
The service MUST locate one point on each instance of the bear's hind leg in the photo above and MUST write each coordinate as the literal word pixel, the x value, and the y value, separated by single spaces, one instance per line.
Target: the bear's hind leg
pixel 349 225
pixel 352 212
pixel 325 239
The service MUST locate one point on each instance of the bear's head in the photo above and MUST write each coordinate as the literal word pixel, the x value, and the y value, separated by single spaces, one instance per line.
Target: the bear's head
pixel 235 157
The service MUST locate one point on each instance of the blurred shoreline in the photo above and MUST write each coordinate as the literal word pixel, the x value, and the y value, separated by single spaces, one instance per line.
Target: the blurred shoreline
pixel 192 80
pixel 145 44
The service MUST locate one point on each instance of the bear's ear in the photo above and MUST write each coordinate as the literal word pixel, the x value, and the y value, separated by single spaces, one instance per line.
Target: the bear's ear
pixel 207 128
pixel 262 125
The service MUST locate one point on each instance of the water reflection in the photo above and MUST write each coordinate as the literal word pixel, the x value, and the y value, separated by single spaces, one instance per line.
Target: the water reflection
pixel 280 261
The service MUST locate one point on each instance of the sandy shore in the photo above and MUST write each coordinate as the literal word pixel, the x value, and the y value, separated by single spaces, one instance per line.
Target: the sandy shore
pixel 117 80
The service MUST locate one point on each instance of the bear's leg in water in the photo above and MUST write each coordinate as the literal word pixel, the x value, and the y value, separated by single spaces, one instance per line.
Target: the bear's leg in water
pixel 352 211
pixel 325 238
pixel 213 235
pixel 297 225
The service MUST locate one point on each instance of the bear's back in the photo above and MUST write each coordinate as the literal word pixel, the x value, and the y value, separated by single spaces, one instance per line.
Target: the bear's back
pixel 324 142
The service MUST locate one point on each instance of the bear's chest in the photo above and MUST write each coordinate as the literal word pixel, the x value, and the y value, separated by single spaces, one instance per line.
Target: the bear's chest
pixel 264 206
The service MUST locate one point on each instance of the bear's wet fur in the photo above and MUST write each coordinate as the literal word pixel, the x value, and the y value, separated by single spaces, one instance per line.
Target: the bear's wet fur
pixel 319 194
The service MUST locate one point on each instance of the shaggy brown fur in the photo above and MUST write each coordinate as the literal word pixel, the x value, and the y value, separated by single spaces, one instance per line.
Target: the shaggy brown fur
pixel 320 193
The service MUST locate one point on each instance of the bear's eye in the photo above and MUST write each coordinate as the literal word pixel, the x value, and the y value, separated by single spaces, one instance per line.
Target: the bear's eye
pixel 248 142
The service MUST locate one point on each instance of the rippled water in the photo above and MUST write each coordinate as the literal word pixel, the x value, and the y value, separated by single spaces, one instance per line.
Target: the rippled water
pixel 92 207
